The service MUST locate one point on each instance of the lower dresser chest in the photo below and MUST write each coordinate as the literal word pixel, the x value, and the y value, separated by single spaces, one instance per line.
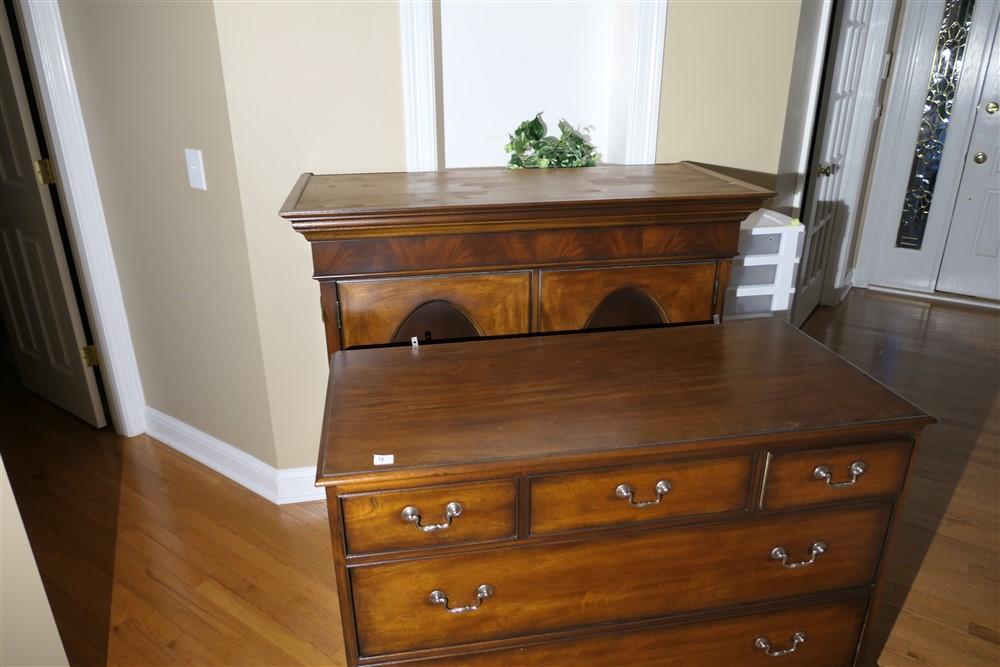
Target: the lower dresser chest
pixel 702 495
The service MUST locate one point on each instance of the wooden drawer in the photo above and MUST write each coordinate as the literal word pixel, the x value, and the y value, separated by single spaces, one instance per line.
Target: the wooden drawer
pixel 638 493
pixel 391 310
pixel 440 515
pixel 831 639
pixel 793 479
pixel 626 296
pixel 613 578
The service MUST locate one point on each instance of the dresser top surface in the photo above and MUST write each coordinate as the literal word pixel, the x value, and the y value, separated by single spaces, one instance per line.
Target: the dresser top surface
pixel 539 396
pixel 350 195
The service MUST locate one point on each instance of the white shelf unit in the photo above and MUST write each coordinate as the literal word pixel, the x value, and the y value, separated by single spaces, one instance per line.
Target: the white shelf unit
pixel 763 277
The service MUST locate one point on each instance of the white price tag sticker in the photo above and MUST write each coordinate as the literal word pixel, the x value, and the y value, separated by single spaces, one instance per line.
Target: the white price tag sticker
pixel 384 459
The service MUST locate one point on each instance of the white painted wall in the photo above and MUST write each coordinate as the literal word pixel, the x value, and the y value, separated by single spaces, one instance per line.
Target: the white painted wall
pixel 503 62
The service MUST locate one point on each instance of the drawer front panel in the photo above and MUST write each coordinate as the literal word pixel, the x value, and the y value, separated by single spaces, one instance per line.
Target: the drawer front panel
pixel 638 493
pixel 614 578
pixel 794 480
pixel 831 638
pixel 433 516
pixel 622 296
pixel 391 310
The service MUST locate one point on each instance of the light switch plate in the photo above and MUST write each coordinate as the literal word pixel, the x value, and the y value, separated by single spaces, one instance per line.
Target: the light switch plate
pixel 195 169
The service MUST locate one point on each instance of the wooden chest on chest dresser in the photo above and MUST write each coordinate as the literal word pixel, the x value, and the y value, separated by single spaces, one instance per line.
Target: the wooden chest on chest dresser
pixel 644 497
pixel 667 496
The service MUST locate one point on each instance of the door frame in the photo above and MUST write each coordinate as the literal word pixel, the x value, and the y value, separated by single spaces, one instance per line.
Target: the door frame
pixel 62 119
pixel 913 54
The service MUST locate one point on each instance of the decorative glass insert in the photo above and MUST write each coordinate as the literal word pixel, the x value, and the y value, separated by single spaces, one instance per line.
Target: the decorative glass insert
pixel 945 73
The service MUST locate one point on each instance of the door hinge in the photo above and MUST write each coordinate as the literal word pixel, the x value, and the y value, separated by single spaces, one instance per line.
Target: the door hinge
pixel 45 171
pixel 89 355
pixel 336 308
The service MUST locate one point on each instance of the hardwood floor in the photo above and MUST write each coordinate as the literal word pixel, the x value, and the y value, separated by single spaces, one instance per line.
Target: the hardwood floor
pixel 943 604
pixel 149 558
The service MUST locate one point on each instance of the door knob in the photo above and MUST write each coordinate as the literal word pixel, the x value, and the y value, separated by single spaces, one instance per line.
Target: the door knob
pixel 992 107
pixel 824 170
pixel 979 157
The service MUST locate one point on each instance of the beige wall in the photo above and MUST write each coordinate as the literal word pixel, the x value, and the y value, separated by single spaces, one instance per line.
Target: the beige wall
pixel 311 87
pixel 28 634
pixel 150 84
pixel 726 71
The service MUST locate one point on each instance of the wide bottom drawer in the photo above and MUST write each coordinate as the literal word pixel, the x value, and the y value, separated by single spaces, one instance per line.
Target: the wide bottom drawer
pixel 819 636
pixel 451 600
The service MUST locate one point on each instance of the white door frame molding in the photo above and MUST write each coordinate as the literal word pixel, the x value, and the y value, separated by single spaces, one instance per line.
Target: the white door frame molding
pixel 803 103
pixel 894 151
pixel 640 29
pixel 45 43
pixel 420 106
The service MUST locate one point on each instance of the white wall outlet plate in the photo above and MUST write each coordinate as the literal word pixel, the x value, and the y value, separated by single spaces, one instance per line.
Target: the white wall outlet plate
pixel 195 169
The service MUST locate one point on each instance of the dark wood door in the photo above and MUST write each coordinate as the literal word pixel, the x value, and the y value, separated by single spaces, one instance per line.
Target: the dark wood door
pixel 626 296
pixel 443 307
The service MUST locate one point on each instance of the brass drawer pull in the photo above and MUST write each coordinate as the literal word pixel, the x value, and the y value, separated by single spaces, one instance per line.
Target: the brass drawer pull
pixel 857 469
pixel 817 549
pixel 764 644
pixel 451 510
pixel 483 593
pixel 625 491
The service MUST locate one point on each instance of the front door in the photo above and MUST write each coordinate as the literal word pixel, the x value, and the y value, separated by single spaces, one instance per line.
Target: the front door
pixel 37 299
pixel 971 264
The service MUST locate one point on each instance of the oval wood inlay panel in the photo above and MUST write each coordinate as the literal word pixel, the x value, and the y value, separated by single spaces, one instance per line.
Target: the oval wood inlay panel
pixel 461 305
pixel 629 306
pixel 436 320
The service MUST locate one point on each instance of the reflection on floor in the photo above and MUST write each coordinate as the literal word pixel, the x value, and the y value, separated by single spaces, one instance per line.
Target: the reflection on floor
pixel 149 558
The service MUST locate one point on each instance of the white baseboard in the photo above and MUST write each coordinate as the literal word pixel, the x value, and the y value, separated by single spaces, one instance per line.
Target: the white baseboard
pixel 280 486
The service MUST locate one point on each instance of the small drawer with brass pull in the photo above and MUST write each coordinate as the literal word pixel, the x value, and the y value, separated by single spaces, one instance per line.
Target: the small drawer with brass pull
pixel 800 478
pixel 638 493
pixel 430 516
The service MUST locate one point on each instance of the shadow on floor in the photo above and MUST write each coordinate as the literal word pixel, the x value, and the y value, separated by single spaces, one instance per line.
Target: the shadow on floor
pixel 944 359
pixel 66 478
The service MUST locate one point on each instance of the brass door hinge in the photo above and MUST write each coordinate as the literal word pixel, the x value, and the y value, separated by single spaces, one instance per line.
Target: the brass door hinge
pixel 45 171
pixel 89 355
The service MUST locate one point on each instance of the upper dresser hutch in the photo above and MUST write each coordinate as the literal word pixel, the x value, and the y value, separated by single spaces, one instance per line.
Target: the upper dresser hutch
pixel 463 253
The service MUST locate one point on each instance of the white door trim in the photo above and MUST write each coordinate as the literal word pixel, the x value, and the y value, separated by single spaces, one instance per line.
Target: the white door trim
pixel 643 110
pixel 641 71
pixel 45 43
pixel 420 109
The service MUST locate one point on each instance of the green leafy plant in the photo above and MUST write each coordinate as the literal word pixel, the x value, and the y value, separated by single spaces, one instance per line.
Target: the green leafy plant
pixel 529 148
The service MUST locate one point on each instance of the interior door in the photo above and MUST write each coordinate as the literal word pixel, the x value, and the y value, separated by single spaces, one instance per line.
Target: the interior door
pixel 971 263
pixel 39 304
pixel 841 148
